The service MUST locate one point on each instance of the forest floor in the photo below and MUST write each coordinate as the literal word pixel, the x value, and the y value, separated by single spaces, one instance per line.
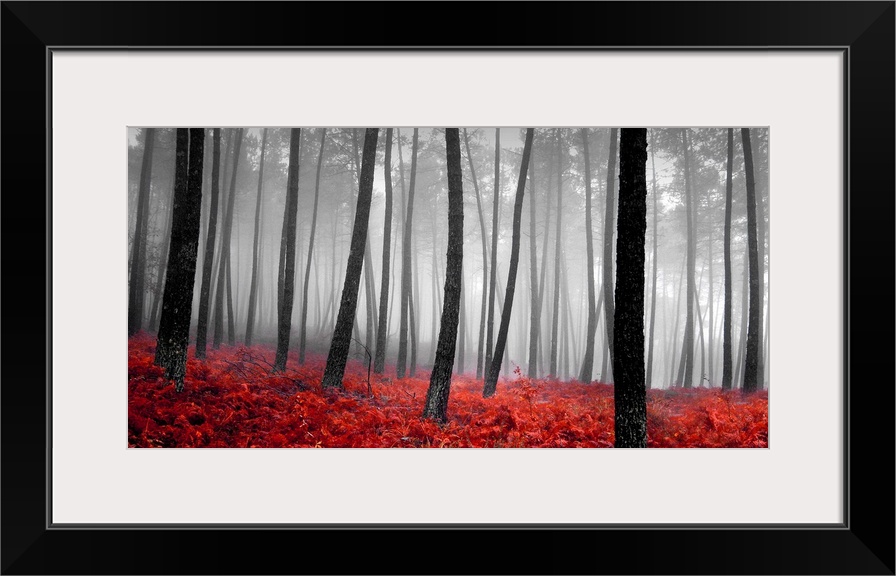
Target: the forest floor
pixel 231 400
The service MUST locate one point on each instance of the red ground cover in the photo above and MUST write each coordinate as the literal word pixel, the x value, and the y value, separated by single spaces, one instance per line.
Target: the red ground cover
pixel 232 400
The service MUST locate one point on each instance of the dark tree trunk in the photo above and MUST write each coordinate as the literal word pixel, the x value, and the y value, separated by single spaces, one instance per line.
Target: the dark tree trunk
pixel 534 304
pixel 174 328
pixel 558 245
pixel 754 329
pixel 628 360
pixel 370 291
pixel 490 322
pixel 253 284
pixel 744 312
pixel 302 333
pixel 609 308
pixel 491 379
pixel 406 305
pixel 339 346
pixel 286 276
pixel 160 276
pixel 588 358
pixel 480 349
pixel 380 361
pixel 726 323
pixel 224 259
pixel 138 248
pixel 649 374
pixel 205 290
pixel 436 406
pixel 687 351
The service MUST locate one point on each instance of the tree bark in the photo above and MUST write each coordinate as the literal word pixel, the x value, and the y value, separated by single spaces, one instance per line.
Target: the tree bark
pixel 138 248
pixel 205 290
pixel 754 329
pixel 224 259
pixel 253 283
pixel 609 308
pixel 407 231
pixel 339 346
pixel 174 328
pixel 490 322
pixel 491 380
pixel 304 328
pixel 726 323
pixel 628 361
pixel 286 275
pixel 380 360
pixel 534 304
pixel 588 358
pixel 687 357
pixel 436 406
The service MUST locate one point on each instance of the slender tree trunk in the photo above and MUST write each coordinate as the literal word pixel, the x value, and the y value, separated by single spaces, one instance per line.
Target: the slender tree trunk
pixel 205 290
pixel 480 350
pixel 224 258
pixel 436 406
pixel 491 284
pixel 286 276
pixel 609 307
pixel 688 349
pixel 339 346
pixel 491 380
pixel 726 329
pixel 380 361
pixel 462 328
pixel 160 276
pixel 370 291
pixel 588 359
pixel 709 339
pixel 253 282
pixel 649 374
pixel 406 305
pixel 138 249
pixel 304 328
pixel 744 312
pixel 628 361
pixel 534 304
pixel 754 329
pixel 174 329
pixel 544 260
pixel 558 246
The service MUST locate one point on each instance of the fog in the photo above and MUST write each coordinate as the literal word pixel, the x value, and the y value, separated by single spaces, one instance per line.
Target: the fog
pixel 555 152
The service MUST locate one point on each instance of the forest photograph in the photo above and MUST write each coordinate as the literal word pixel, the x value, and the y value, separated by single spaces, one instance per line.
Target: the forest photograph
pixel 479 287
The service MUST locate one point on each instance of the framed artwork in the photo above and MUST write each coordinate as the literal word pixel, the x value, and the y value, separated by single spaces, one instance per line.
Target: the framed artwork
pixel 811 84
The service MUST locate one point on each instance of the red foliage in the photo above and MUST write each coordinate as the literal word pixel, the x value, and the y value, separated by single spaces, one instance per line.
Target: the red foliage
pixel 232 400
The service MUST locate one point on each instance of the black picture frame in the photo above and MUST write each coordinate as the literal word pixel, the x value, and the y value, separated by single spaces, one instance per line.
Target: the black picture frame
pixel 864 31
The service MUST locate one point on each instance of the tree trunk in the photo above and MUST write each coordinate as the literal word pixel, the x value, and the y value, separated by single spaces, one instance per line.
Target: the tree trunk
pixel 628 360
pixel 491 380
pixel 742 346
pixel 253 282
pixel 462 327
pixel 286 275
pixel 304 328
pixel 558 245
pixel 370 291
pixel 174 328
pixel 726 329
pixel 754 330
pixel 339 346
pixel 436 406
pixel 491 284
pixel 380 361
pixel 205 290
pixel 138 248
pixel 544 259
pixel 160 275
pixel 649 374
pixel 609 308
pixel 407 231
pixel 480 350
pixel 688 347
pixel 588 359
pixel 224 259
pixel 534 304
